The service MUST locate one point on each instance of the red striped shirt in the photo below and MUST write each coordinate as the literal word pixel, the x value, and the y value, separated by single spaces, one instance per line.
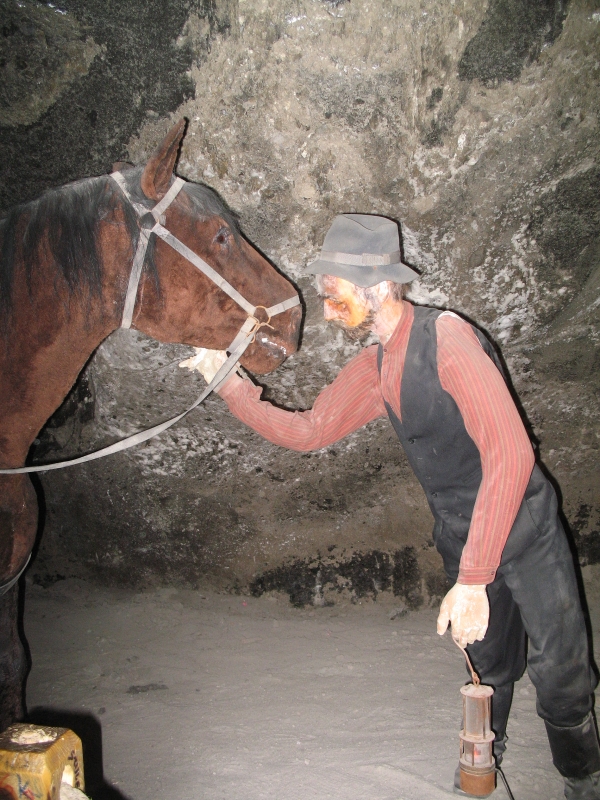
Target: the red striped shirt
pixel 357 396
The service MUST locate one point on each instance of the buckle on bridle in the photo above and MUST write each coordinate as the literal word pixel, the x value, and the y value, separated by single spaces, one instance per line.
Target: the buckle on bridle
pixel 258 324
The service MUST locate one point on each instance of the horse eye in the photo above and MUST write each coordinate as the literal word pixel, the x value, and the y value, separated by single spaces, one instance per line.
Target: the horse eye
pixel 222 236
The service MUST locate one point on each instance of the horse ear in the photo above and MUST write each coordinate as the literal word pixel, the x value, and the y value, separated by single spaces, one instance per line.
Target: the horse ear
pixel 157 173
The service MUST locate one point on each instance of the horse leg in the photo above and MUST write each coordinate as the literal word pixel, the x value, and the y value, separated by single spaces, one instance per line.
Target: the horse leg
pixel 13 662
pixel 18 527
pixel 18 523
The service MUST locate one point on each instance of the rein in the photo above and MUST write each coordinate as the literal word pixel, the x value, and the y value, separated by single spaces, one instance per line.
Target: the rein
pixel 150 222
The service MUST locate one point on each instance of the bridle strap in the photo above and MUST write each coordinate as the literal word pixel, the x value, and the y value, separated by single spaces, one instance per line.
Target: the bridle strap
pixel 217 279
pixel 134 277
pixel 143 436
pixel 120 180
pixel 142 245
pixel 285 305
pixel 201 264
pixel 162 205
pixel 183 250
pixel 244 338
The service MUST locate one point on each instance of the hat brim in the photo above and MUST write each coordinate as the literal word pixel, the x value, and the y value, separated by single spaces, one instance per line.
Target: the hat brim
pixel 364 276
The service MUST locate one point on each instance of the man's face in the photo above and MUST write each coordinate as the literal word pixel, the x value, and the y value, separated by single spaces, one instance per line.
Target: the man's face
pixel 342 303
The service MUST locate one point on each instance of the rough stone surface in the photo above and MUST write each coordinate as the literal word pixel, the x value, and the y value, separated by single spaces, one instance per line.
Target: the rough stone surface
pixel 80 76
pixel 43 51
pixel 476 126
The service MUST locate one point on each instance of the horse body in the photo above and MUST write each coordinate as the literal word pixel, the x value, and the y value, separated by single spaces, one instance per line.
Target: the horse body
pixel 55 318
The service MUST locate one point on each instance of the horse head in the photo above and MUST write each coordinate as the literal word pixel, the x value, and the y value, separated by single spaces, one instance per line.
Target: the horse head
pixel 180 303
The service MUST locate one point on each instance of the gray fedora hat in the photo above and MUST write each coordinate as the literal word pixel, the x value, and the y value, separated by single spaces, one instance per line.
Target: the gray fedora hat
pixel 363 249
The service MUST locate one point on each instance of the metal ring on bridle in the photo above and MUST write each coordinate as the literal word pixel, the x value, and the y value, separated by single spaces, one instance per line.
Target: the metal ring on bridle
pixel 259 324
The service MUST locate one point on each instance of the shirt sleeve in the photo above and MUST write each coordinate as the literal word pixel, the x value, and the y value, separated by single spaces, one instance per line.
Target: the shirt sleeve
pixel 349 402
pixel 491 418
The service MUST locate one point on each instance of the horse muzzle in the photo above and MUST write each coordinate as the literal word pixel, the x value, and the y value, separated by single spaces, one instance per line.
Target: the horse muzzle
pixel 272 345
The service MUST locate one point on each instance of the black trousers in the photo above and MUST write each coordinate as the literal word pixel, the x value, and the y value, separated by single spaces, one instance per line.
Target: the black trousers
pixel 535 596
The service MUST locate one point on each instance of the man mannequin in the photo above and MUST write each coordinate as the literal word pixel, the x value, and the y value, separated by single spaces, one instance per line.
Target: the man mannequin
pixel 496 524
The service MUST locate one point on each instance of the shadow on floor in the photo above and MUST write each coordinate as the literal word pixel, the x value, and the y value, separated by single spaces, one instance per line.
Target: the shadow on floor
pixel 89 730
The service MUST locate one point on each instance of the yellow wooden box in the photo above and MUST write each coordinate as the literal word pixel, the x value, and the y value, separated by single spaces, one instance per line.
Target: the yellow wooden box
pixel 35 760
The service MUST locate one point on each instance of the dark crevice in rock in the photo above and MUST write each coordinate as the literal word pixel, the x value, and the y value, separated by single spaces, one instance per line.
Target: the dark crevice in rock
pixel 407 577
pixel 511 36
pixel 363 575
pixel 141 72
pixel 76 410
pixel 566 224
pixel 586 541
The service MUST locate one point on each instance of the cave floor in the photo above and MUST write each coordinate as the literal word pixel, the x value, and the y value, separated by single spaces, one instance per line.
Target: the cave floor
pixel 204 695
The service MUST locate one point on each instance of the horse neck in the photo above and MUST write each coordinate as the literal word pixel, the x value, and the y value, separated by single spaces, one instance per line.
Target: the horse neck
pixel 52 338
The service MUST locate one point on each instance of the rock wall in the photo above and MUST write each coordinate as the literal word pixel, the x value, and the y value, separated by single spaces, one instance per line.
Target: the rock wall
pixel 475 125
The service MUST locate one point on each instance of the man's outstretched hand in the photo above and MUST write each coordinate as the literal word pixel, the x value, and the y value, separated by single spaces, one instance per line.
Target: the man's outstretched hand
pixel 467 609
pixel 206 362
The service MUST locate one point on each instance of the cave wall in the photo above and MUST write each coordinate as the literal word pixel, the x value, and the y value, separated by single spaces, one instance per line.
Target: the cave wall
pixel 475 125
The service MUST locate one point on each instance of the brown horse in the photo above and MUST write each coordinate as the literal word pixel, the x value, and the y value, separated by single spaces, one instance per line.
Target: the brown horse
pixel 66 261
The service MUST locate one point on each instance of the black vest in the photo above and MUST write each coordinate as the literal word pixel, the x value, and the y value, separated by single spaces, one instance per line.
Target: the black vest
pixel 443 456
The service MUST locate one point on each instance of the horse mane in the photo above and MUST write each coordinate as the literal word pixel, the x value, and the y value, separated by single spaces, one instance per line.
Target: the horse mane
pixel 69 216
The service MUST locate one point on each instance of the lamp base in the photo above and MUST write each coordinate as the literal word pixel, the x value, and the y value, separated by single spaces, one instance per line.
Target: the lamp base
pixel 474 783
